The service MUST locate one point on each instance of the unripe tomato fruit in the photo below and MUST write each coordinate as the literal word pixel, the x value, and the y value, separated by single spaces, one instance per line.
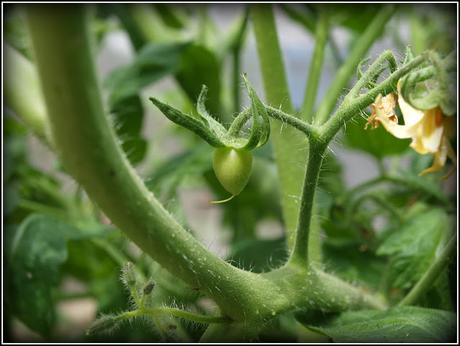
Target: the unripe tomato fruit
pixel 233 168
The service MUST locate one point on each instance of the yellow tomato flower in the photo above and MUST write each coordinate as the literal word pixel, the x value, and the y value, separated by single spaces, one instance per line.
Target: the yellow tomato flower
pixel 428 129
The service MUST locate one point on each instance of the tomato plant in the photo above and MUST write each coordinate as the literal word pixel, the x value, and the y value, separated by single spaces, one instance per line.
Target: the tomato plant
pixel 372 261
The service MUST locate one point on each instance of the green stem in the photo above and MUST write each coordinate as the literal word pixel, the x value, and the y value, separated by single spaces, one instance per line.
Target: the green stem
pixel 184 314
pixel 90 151
pixel 116 254
pixel 289 145
pixel 135 33
pixel 145 21
pixel 303 234
pixel 316 64
pixel 338 295
pixel 271 60
pixel 430 276
pixel 39 207
pixel 236 79
pixel 300 125
pixel 231 332
pixel 274 113
pixel 23 93
pixel 372 73
pixel 239 121
pixel 345 72
pixel 448 63
pixel 352 107
pixel 335 50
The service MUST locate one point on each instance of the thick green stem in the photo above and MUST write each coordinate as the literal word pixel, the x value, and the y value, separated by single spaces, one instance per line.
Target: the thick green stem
pixel 430 276
pixel 345 72
pixel 303 232
pixel 231 332
pixel 23 93
pixel 183 314
pixel 316 64
pixel 289 145
pixel 90 151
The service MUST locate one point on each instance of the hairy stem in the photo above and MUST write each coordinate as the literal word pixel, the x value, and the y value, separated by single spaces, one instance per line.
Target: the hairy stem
pixel 373 72
pixel 289 145
pixel 345 72
pixel 300 125
pixel 300 253
pixel 316 64
pixel 352 107
pixel 239 122
pixel 183 314
pixel 430 276
pixel 90 151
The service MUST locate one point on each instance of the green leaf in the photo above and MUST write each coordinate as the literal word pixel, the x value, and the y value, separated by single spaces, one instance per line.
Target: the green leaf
pixel 92 262
pixel 351 16
pixel 172 16
pixel 199 66
pixel 128 114
pixel 302 15
pixel 169 175
pixel 260 130
pixel 354 263
pixel 413 246
pixel 192 123
pixel 401 324
pixel 16 31
pixel 38 251
pixel 212 123
pixel 376 142
pixel 153 62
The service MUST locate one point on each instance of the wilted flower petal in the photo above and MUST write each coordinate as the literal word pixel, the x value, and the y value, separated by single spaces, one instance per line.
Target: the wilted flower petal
pixel 428 129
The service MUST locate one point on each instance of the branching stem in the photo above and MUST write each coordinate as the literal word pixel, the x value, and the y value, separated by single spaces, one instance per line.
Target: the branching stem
pixel 351 107
pixel 363 44
pixel 89 150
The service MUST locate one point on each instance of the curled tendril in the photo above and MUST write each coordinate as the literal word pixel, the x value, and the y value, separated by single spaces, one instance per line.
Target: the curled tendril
pixel 438 89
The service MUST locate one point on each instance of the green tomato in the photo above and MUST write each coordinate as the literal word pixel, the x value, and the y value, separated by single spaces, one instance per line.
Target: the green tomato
pixel 233 168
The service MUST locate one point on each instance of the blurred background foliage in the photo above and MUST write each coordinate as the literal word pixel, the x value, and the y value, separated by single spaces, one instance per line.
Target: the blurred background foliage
pixel 382 233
